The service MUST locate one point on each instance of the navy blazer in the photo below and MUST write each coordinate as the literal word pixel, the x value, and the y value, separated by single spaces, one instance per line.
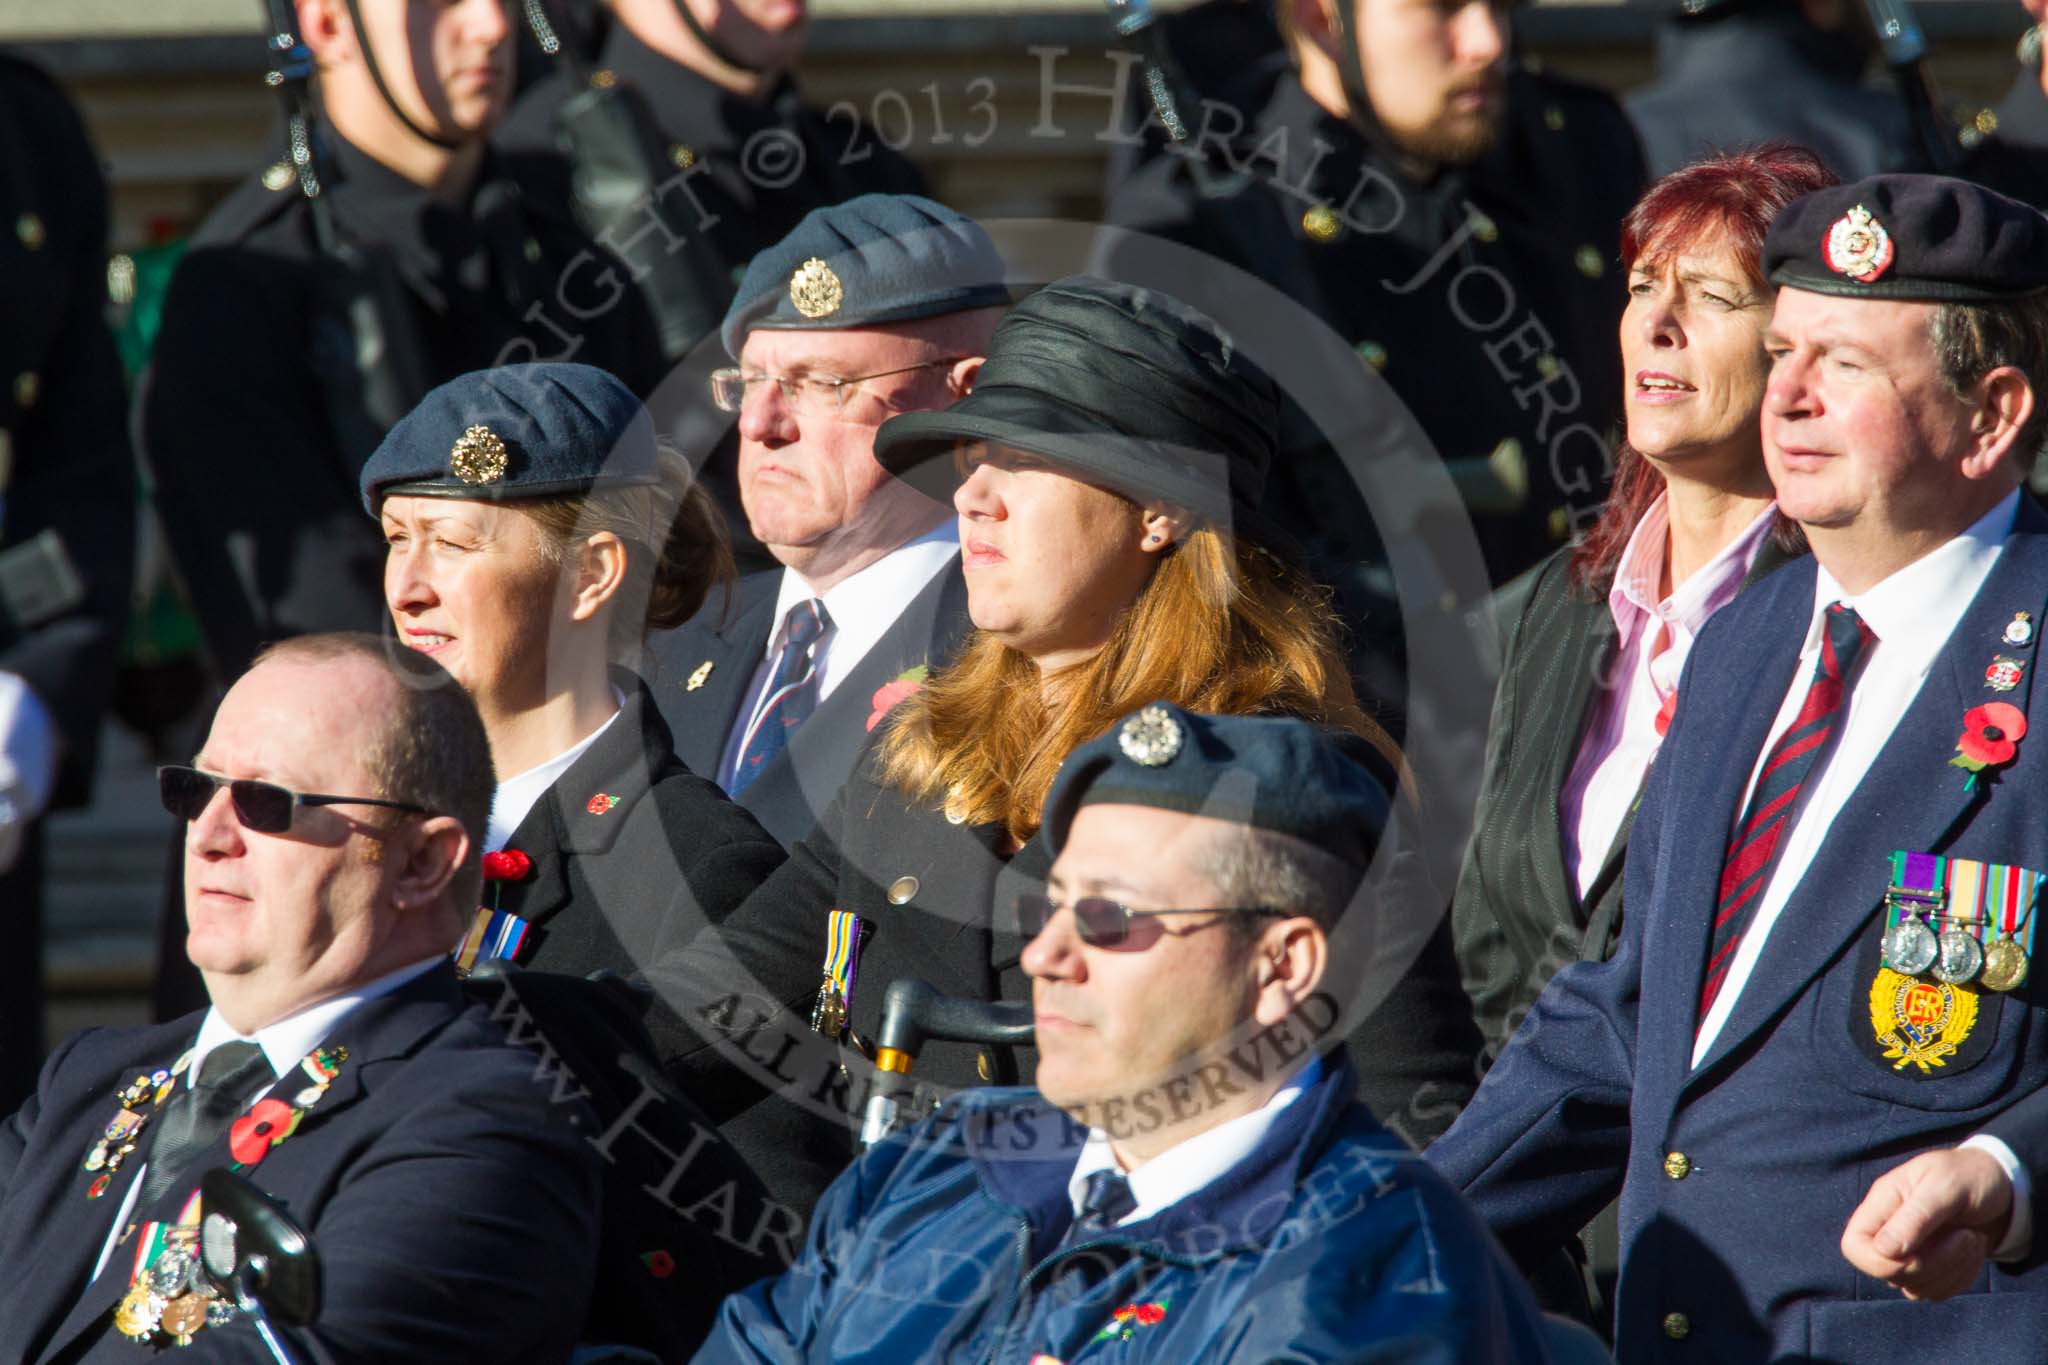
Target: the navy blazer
pixel 720 649
pixel 1732 1252
pixel 452 1198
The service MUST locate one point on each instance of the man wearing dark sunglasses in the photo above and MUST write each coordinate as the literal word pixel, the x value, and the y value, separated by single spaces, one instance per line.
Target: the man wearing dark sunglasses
pixel 331 827
pixel 1193 1178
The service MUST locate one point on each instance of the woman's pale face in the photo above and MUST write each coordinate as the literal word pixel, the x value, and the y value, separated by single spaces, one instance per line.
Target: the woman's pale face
pixel 1051 562
pixel 470 584
pixel 1692 354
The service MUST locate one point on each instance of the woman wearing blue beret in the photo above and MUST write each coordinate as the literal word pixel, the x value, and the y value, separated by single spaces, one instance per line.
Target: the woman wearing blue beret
pixel 1106 469
pixel 534 532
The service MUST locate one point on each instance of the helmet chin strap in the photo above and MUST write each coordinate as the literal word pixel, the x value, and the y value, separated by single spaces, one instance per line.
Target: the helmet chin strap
pixel 1351 71
pixel 711 44
pixel 369 51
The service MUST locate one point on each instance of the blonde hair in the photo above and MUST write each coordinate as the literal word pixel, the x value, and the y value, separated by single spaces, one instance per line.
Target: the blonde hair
pixel 677 514
pixel 1222 627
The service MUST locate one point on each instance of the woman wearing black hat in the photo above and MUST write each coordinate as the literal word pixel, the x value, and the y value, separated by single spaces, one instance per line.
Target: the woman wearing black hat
pixel 1104 469
pixel 534 533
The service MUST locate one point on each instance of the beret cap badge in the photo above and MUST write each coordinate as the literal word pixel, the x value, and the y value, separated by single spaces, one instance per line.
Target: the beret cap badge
pixel 478 456
pixel 1151 738
pixel 1858 246
pixel 815 290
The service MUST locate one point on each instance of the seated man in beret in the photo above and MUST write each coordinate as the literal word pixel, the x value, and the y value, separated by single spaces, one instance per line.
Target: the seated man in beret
pixel 880 305
pixel 1821 1028
pixel 332 827
pixel 1193 1179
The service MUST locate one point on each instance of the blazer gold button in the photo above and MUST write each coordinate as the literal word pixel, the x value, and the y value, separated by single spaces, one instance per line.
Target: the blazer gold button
pixel 901 890
pixel 1678 1165
pixel 1677 1326
pixel 982 1068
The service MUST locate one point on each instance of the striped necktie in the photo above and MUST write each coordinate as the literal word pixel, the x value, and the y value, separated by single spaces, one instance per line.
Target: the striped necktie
pixel 1776 798
pixel 792 692
pixel 1105 1202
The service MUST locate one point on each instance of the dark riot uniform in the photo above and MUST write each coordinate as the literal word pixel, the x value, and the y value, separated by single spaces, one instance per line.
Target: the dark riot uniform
pixel 1487 299
pixel 64 470
pixel 257 495
pixel 1752 75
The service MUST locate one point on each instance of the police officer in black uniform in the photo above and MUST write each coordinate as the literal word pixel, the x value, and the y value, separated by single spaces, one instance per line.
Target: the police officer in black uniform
pixel 1456 220
pixel 1731 73
pixel 267 392
pixel 67 516
pixel 2008 141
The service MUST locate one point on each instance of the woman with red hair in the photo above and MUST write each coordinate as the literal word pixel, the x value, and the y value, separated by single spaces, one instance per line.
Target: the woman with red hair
pixel 1592 666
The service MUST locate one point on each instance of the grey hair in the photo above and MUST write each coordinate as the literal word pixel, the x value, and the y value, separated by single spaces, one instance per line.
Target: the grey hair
pixel 1256 867
pixel 1973 339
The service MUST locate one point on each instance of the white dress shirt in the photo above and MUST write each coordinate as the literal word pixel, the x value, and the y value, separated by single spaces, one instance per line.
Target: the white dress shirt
pixel 515 795
pixel 1912 613
pixel 1188 1166
pixel 1621 735
pixel 861 606
pixel 285 1044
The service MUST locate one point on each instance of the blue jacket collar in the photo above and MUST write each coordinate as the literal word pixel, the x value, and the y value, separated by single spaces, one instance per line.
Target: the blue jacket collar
pixel 1024 1149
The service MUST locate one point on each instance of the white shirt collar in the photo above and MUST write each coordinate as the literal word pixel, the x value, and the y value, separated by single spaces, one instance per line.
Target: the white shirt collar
pixel 1188 1166
pixel 1633 599
pixel 515 795
pixel 1915 610
pixel 287 1042
pixel 864 605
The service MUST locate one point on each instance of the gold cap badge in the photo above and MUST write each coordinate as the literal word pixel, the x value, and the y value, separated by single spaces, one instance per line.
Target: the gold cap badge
pixel 1858 246
pixel 478 456
pixel 815 290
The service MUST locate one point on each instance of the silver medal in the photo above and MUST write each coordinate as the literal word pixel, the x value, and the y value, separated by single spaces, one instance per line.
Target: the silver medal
pixel 1910 947
pixel 171 1273
pixel 1962 957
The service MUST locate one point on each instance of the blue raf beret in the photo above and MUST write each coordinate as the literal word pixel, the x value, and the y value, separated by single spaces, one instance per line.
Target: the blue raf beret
pixel 517 431
pixel 875 259
pixel 1921 237
pixel 1272 773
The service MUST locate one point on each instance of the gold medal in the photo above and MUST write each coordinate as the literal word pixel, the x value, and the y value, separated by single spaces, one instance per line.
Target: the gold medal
pixel 136 1316
pixel 2005 965
pixel 829 1015
pixel 183 1317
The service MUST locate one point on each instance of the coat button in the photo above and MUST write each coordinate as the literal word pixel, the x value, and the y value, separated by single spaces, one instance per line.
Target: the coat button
pixel 1678 1165
pixel 604 79
pixel 29 228
pixel 901 890
pixel 682 156
pixel 1677 1326
pixel 982 1068
pixel 28 386
pixel 1321 224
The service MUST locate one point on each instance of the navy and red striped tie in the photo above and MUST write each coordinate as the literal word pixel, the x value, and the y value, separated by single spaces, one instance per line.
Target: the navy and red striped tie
pixel 792 692
pixel 1776 798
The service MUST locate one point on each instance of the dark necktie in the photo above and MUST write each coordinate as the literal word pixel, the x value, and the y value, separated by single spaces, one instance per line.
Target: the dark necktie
pixel 1105 1203
pixel 1776 798
pixel 792 692
pixel 195 1118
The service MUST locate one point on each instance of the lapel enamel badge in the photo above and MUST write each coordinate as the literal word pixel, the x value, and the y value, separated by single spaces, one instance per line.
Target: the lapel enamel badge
pixel 698 677
pixel 2019 631
pixel 140 1099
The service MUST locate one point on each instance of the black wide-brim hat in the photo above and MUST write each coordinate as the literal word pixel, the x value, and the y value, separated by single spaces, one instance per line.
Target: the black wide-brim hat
pixel 1128 388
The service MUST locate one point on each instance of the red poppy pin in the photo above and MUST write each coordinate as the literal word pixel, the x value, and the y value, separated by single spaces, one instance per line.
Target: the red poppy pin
pixel 908 683
pixel 1129 1318
pixel 1991 737
pixel 267 1123
pixel 601 804
pixel 659 1264
pixel 506 865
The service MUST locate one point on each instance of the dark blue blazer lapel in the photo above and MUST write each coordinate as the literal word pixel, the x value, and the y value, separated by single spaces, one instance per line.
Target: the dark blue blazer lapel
pixel 701 719
pixel 1911 798
pixel 1726 703
pixel 800 782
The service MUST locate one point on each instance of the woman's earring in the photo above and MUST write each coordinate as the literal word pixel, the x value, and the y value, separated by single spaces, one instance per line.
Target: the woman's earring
pixel 1153 538
pixel 2030 45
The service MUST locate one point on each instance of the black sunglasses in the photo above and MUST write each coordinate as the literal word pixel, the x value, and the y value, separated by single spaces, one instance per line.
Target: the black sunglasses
pixel 261 806
pixel 1104 923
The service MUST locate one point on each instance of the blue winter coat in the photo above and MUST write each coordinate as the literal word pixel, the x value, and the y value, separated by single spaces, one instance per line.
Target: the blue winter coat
pixel 1332 1241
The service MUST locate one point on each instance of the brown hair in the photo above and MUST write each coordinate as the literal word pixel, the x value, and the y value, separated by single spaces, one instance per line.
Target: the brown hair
pixel 429 748
pixel 1731 198
pixel 1973 339
pixel 678 513
pixel 1223 627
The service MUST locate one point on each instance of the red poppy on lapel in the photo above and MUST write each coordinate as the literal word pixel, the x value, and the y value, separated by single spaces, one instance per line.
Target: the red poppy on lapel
pixel 601 803
pixel 267 1123
pixel 906 684
pixel 1991 738
pixel 506 865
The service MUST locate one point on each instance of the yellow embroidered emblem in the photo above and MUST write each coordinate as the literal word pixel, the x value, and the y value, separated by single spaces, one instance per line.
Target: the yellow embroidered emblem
pixel 478 456
pixel 1920 1022
pixel 697 678
pixel 815 290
